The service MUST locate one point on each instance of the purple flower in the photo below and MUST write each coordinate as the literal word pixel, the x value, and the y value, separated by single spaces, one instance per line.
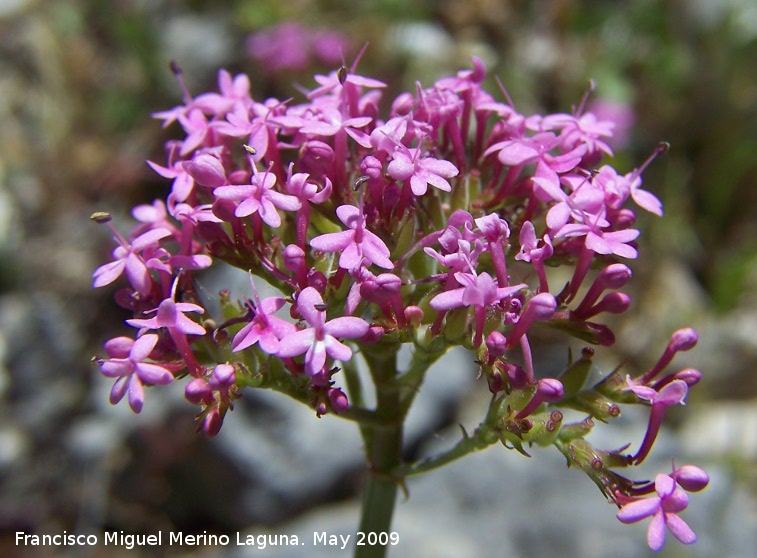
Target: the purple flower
pixel 422 171
pixel 128 259
pixel 170 314
pixel 536 252
pixel 663 509
pixel 479 291
pixel 330 122
pixel 320 339
pixel 127 363
pixel 356 243
pixel 259 197
pixel 264 328
pixel 671 394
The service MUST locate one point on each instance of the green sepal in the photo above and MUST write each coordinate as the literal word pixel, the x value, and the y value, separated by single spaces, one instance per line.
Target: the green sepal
pixel 405 237
pixel 455 323
pixel 596 334
pixel 575 430
pixel 615 387
pixel 323 224
pixel 574 378
pixel 593 403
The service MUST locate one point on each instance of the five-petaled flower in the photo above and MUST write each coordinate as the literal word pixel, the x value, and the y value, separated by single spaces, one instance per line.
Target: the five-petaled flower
pixel 355 243
pixel 127 364
pixel 320 339
pixel 663 509
pixel 259 197
pixel 264 328
pixel 422 171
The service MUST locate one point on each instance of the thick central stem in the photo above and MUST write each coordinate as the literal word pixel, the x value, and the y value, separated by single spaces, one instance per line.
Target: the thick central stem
pixel 383 444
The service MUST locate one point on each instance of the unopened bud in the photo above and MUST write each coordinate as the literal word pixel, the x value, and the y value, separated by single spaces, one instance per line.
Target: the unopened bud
pixel 691 478
pixel 294 258
pixel 222 377
pixel 338 400
pixel 496 343
pixel 198 392
pixel 414 315
pixel 206 170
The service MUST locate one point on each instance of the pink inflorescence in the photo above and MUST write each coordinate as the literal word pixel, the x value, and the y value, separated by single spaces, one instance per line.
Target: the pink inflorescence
pixel 433 225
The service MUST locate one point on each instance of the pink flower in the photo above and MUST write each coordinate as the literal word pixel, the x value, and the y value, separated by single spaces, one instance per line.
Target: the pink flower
pixel 671 394
pixel 536 252
pixel 356 243
pixel 663 508
pixel 422 171
pixel 170 315
pixel 320 339
pixel 263 328
pixel 127 364
pixel 479 291
pixel 259 197
pixel 127 259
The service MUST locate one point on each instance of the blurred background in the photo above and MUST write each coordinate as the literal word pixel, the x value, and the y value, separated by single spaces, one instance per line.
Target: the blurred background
pixel 78 81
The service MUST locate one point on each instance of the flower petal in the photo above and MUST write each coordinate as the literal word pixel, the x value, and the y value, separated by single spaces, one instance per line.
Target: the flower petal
pixel 307 301
pixel 348 327
pixel 296 343
pixel 337 350
pixel 154 374
pixel 333 242
pixel 656 532
pixel 680 529
pixel 448 299
pixel 143 346
pixel 638 510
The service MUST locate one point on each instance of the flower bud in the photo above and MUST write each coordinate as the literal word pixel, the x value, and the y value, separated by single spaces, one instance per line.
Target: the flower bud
pixel 213 422
pixel 338 400
pixel 371 167
pixel 402 104
pixel 380 289
pixel 206 170
pixel 198 392
pixel 614 276
pixel 624 219
pixel 294 261
pixel 516 375
pixel 224 210
pixel 373 335
pixel 691 376
pixel 315 158
pixel 222 377
pixel 496 343
pixel 294 258
pixel 414 315
pixel 614 303
pixel 681 340
pixel 691 478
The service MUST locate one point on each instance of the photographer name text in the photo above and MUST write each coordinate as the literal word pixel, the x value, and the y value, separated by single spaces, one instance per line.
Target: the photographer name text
pixel 130 541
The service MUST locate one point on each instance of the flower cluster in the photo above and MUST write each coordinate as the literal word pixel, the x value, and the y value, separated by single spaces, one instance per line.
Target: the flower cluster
pixel 433 227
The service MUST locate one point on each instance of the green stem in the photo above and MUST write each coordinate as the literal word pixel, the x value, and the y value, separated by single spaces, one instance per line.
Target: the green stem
pixel 482 438
pixel 383 445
